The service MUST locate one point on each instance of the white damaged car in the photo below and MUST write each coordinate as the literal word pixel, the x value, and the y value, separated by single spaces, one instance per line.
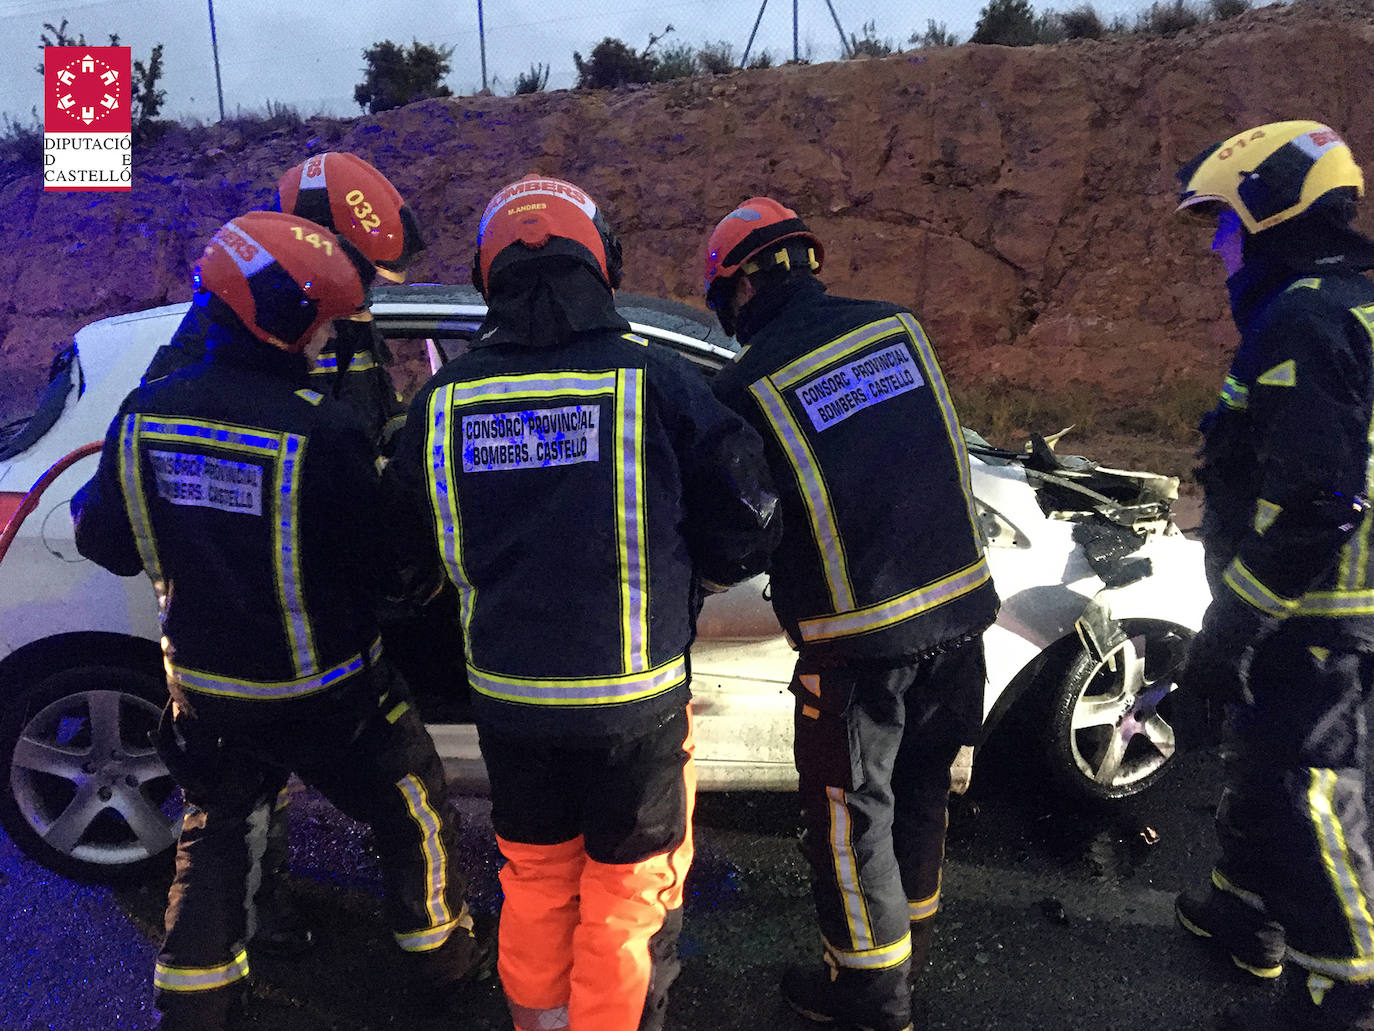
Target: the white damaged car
pixel 1100 594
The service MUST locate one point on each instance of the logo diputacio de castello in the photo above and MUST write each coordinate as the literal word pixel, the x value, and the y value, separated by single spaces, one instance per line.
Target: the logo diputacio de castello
pixel 87 118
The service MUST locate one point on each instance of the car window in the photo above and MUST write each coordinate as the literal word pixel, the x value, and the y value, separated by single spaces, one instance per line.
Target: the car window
pixel 18 435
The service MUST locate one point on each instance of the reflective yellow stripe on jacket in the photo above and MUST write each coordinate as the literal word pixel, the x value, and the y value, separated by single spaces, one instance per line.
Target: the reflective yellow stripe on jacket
pixel 329 363
pixel 286 452
pixel 272 690
pixel 625 389
pixel 847 616
pixel 1353 593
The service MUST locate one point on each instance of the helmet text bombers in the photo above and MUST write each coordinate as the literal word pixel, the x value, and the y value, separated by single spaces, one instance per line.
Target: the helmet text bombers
pixel 535 210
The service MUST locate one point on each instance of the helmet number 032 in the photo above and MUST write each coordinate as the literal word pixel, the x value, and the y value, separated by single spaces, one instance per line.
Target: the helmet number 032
pixel 362 210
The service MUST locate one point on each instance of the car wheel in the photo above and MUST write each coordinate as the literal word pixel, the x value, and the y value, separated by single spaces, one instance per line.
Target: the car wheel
pixel 85 793
pixel 1108 736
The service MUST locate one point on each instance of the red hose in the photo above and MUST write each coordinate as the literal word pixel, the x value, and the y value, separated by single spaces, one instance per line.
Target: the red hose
pixel 31 499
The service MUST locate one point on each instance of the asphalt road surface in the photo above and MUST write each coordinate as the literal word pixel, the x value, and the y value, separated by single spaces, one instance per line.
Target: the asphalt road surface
pixel 1053 920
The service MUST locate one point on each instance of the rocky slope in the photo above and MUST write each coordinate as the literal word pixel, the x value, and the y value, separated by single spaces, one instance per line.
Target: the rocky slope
pixel 1019 199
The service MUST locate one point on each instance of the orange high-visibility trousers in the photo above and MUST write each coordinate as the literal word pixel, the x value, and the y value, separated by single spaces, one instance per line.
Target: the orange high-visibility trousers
pixel 587 944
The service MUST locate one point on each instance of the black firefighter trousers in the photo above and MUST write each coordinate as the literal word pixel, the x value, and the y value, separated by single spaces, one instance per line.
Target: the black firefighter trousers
pixel 873 750
pixel 1292 820
pixel 376 763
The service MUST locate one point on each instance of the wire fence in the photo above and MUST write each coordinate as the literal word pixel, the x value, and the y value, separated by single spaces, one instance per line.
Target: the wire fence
pixel 310 58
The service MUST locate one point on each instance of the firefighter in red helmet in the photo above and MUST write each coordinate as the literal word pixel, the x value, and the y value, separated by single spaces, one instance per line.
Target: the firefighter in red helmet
pixel 343 193
pixel 253 503
pixel 881 583
pixel 580 484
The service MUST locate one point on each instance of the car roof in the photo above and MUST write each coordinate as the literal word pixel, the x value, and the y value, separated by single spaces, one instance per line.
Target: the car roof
pixel 666 318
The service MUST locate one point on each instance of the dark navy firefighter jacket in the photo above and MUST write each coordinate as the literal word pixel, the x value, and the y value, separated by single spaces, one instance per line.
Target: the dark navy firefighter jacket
pixel 881 560
pixel 253 503
pixel 579 483
pixel 1290 435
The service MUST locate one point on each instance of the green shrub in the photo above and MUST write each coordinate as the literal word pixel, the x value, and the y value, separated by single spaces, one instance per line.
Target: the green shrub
pixel 935 35
pixel 869 45
pixel 396 75
pixel 612 63
pixel 1168 19
pixel 719 59
pixel 1014 23
pixel 1082 22
pixel 1221 10
pixel 532 81
pixel 677 62
pixel 763 59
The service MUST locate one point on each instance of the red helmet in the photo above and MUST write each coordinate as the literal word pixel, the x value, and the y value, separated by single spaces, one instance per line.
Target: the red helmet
pixel 536 210
pixel 753 226
pixel 283 276
pixel 344 193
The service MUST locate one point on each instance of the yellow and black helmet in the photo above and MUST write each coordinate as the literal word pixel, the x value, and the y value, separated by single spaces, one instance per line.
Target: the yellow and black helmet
pixel 1269 174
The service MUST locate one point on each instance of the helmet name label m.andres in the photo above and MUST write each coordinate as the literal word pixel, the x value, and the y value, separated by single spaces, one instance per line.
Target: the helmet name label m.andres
pixel 546 187
pixel 542 217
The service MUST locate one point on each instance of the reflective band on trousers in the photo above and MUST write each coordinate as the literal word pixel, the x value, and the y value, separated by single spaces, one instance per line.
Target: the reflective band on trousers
pixel 201 979
pixel 626 687
pixel 441 919
pixel 527 1018
pixel 210 683
pixel 846 866
pixel 880 958
pixel 894 610
pixel 920 909
pixel 1340 871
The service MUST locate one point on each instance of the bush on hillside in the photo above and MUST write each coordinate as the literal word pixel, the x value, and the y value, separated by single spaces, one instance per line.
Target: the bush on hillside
pixel 1014 23
pixel 869 45
pixel 533 81
pixel 1168 19
pixel 1082 22
pixel 612 63
pixel 396 75
pixel 1224 9
pixel 935 35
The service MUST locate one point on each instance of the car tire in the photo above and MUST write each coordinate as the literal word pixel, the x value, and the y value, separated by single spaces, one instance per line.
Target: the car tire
pixel 84 792
pixel 1104 729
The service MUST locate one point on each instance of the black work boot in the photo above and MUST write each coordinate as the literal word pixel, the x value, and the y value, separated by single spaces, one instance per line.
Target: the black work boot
pixel 922 935
pixel 861 1000
pixel 218 1009
pixel 1309 1002
pixel 1254 942
pixel 282 930
pixel 466 958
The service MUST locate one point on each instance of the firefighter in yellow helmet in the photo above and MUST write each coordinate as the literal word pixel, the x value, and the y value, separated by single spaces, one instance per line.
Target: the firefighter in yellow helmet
pixel 581 485
pixel 1287 645
pixel 253 504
